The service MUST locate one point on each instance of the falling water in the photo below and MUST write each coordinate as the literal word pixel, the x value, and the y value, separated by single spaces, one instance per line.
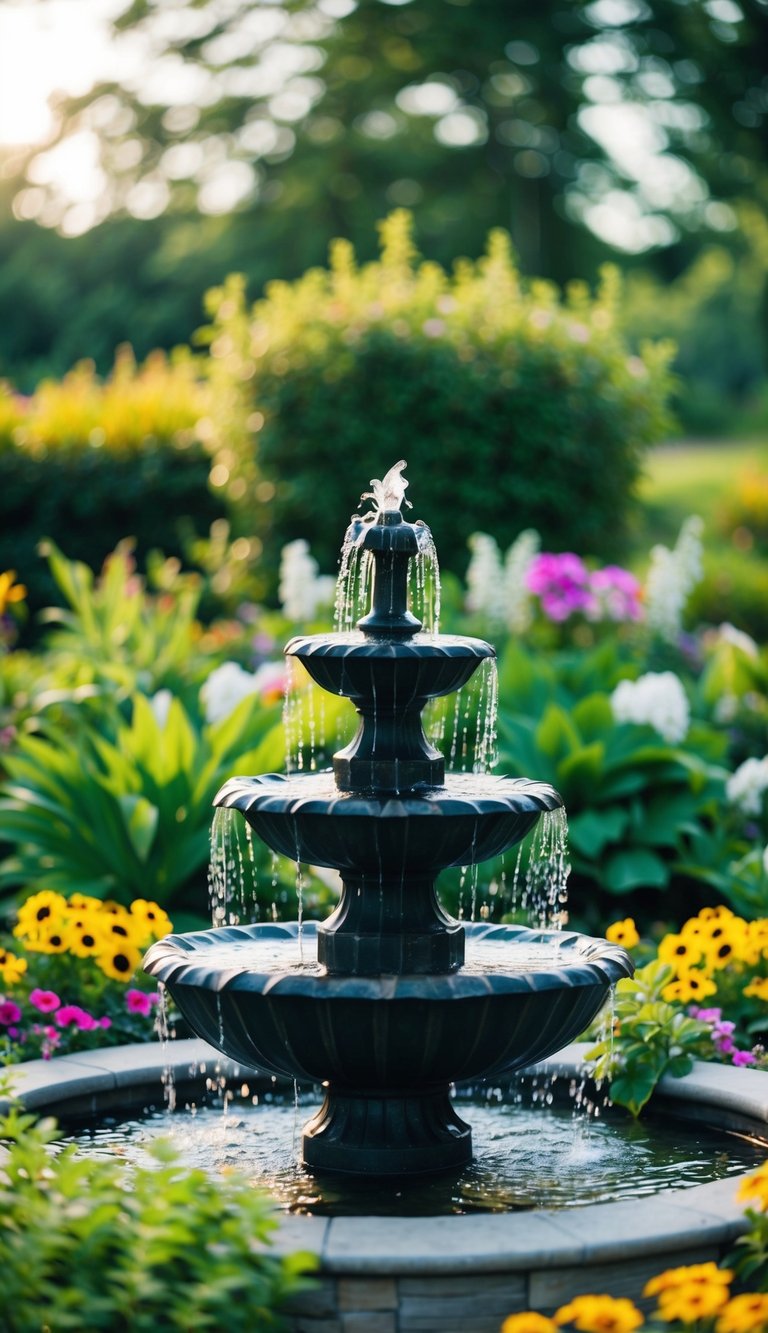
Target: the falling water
pixel 545 892
pixel 164 1035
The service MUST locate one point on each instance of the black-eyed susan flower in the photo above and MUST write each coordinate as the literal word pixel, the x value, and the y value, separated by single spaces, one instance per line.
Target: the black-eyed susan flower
pixel 50 940
pixel 12 968
pixel 155 921
pixel 600 1314
pixel 757 987
pixel 689 986
pixel 680 952
pixel 39 912
pixel 119 960
pixel 623 933
pixel 84 939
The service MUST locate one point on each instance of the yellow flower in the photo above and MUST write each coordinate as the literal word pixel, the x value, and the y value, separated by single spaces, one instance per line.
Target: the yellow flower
pixel 624 933
pixel 528 1322
pixel 12 968
pixel 83 937
pixel 119 960
pixel 756 944
pixel 689 986
pixel 39 912
pixel 52 940
pixel 679 952
pixel 600 1314
pixel 155 921
pixel 758 987
pixel 754 1189
pixel 744 1314
pixel 724 941
pixel 83 902
pixel 10 591
pixel 704 1274
pixel 692 1301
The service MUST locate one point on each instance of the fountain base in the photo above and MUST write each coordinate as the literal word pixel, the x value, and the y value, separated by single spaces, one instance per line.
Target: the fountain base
pixel 402 1133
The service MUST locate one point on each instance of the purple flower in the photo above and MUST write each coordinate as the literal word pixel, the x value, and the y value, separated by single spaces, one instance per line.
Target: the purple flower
pixel 705 1015
pixel 561 582
pixel 9 1012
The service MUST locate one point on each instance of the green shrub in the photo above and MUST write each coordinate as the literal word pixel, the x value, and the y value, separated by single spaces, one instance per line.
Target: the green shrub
pixel 87 1243
pixel 88 463
pixel 513 406
pixel 734 589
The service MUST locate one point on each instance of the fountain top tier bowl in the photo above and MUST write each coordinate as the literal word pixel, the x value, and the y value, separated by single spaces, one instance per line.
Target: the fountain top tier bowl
pixel 381 1002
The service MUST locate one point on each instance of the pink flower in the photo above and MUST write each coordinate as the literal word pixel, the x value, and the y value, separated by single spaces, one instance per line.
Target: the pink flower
pixel 706 1015
pixel 44 1000
pixel 617 594
pixel 743 1058
pixel 139 1002
pixel 9 1012
pixel 71 1015
pixel 105 1022
pixel 561 582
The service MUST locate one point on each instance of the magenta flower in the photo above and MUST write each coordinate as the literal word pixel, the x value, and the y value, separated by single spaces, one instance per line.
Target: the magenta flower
pixel 616 593
pixel 105 1022
pixel 44 1000
pixel 706 1015
pixel 9 1012
pixel 71 1015
pixel 743 1058
pixel 562 584
pixel 139 1002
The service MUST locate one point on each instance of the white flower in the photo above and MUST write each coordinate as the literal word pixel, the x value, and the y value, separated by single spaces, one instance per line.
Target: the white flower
pixel 517 598
pixel 224 689
pixel 485 591
pixel 160 704
pixel 730 634
pixel 658 699
pixel 726 708
pixel 745 787
pixel 301 590
pixel 671 578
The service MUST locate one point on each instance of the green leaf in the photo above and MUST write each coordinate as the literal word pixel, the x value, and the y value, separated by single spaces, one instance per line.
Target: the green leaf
pixel 592 830
pixel 556 734
pixel 141 821
pixel 583 768
pixel 633 869
pixel 593 716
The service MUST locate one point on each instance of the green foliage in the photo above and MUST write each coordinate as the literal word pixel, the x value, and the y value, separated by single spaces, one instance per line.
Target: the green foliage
pixel 734 589
pixel 122 809
pixel 85 463
pixel 88 1243
pixel 633 799
pixel 714 312
pixel 650 1038
pixel 540 414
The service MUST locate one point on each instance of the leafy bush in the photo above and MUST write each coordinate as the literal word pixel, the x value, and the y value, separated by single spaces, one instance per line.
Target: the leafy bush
pixel 633 799
pixel 87 463
pixel 734 588
pixel 90 1243
pixel 518 407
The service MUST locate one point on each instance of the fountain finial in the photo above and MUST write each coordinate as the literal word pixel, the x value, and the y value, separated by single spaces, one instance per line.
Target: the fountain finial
pixel 388 493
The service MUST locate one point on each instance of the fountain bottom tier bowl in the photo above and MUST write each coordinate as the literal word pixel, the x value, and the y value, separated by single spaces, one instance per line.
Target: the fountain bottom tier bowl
pixel 386 1048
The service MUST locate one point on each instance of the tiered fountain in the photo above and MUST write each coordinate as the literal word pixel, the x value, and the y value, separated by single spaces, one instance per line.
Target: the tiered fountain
pixel 399 1000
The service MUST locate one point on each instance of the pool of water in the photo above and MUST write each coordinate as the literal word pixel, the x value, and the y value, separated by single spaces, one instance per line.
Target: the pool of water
pixel 533 1149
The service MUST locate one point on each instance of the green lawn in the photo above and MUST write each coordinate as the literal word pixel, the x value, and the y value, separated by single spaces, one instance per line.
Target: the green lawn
pixel 689 478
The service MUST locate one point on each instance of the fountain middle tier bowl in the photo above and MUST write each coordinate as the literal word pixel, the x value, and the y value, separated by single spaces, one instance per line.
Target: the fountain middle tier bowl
pixel 399 673
pixel 521 995
pixel 470 818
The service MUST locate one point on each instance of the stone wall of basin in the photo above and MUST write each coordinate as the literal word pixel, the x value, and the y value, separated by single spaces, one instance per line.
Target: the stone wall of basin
pixel 453 1274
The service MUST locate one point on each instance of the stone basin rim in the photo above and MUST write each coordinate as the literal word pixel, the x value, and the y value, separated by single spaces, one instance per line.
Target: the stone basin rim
pixel 702 1218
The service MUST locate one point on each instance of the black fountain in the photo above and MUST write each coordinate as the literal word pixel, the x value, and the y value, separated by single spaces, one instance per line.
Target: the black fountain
pixel 390 1000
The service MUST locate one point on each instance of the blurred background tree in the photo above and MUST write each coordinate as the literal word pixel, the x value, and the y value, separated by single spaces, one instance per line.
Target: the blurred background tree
pixel 249 135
